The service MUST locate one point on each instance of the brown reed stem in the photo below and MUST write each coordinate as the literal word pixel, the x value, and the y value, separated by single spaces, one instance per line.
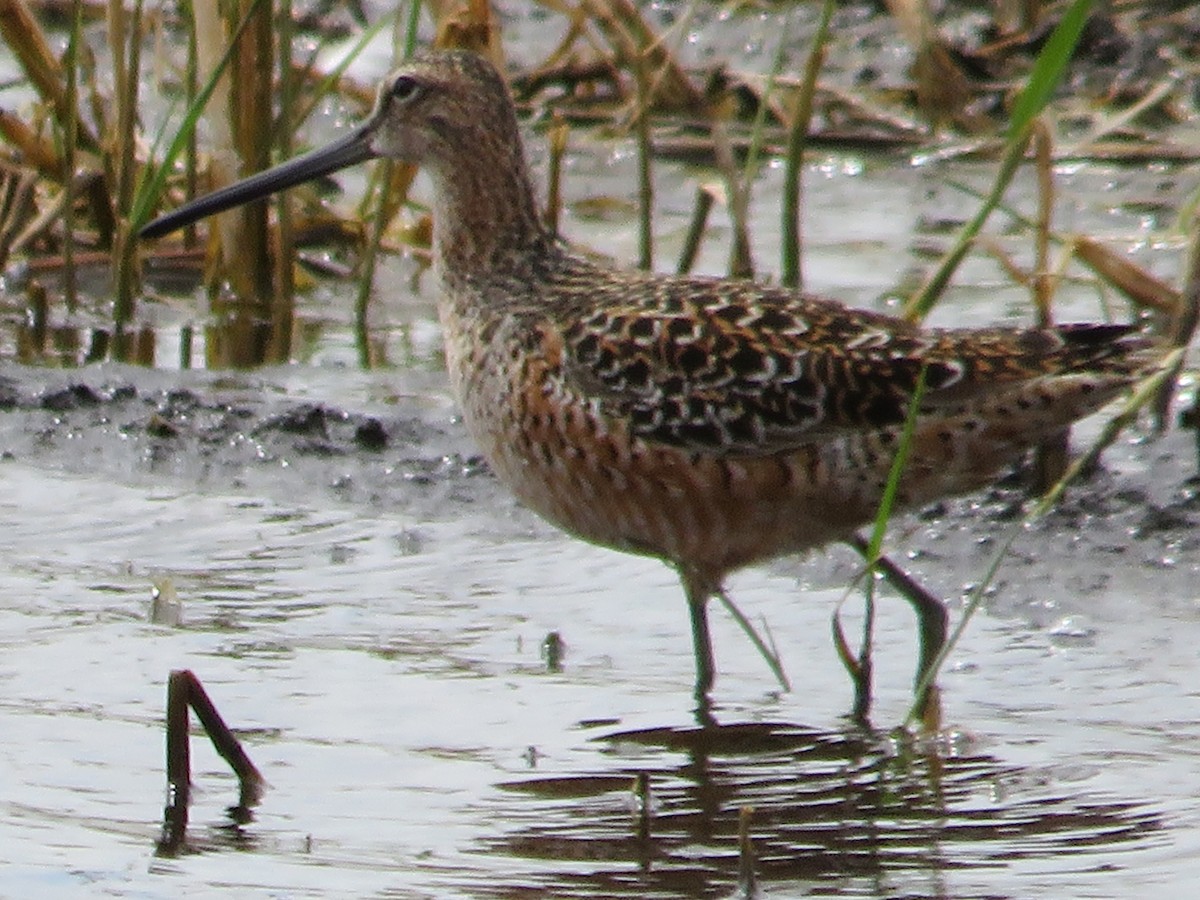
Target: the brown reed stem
pixel 695 233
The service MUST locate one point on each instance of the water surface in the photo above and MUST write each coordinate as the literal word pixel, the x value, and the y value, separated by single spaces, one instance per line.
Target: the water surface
pixel 372 620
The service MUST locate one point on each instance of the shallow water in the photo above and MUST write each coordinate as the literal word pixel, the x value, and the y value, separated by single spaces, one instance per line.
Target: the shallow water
pixel 372 621
pixel 377 639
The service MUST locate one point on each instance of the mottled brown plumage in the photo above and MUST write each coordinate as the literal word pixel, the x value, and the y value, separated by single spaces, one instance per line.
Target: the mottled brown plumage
pixel 710 423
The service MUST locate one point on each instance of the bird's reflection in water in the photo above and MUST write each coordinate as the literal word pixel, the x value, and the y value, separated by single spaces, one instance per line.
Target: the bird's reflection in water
pixel 883 813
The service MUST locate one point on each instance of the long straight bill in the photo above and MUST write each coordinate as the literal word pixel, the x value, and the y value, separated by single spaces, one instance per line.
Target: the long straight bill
pixel 352 149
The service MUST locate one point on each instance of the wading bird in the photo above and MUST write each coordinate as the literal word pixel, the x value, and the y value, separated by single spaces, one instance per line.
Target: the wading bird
pixel 708 422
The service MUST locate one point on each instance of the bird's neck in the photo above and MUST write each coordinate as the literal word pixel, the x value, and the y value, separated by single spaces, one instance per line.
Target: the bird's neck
pixel 485 217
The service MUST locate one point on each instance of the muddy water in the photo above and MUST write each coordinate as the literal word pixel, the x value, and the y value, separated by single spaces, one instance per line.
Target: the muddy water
pixel 370 611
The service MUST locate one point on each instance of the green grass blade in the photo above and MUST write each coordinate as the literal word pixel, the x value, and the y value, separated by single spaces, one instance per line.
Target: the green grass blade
pixel 923 301
pixel 860 668
pixel 1043 81
pixel 1048 68
pixel 797 139
pixel 888 501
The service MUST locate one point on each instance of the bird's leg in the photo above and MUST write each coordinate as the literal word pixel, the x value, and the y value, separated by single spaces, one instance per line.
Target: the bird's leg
pixel 931 613
pixel 698 591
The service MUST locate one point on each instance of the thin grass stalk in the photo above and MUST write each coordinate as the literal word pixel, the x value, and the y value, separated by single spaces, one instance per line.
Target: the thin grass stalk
pixel 1042 285
pixel 191 158
pixel 1141 287
pixel 248 258
pixel 860 668
pixel 127 103
pixel 217 49
pixel 370 258
pixel 186 341
pixel 25 38
pixel 37 305
pixel 747 877
pixel 283 299
pixel 792 248
pixel 695 233
pixel 641 123
pixel 384 208
pixel 556 140
pixel 891 489
pixel 331 78
pixel 742 264
pixel 1183 327
pixel 115 19
pixel 1188 316
pixel 644 806
pixel 1049 68
pixel 1051 455
pixel 128 123
pixel 765 646
pixel 129 110
pixel 741 256
pixel 930 292
pixel 70 138
pixel 1142 396
pixel 125 46
pixel 758 126
pixel 864 664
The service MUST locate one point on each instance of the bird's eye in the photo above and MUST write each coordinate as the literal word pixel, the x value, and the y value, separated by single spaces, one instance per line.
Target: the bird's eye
pixel 404 87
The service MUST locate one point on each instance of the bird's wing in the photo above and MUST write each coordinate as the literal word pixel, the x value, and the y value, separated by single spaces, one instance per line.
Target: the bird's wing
pixel 745 369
